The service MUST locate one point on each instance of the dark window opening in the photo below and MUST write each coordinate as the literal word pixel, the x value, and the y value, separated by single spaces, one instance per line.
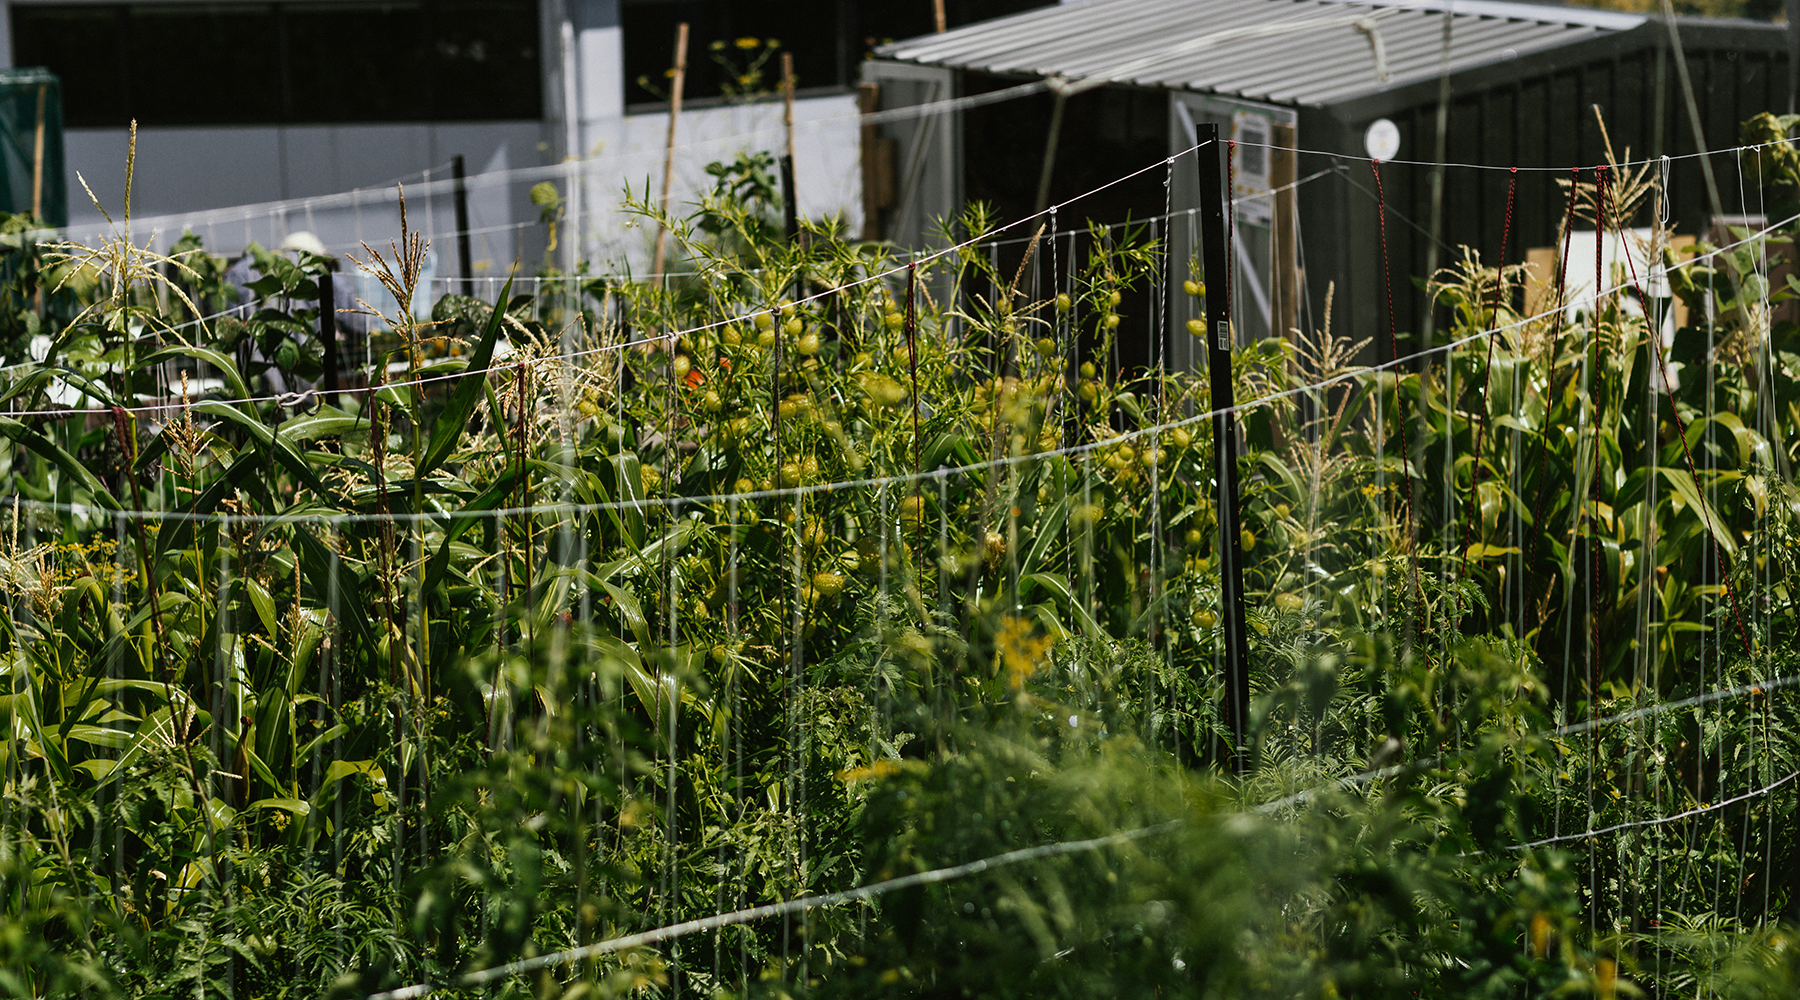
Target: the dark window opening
pixel 726 39
pixel 1106 133
pixel 264 63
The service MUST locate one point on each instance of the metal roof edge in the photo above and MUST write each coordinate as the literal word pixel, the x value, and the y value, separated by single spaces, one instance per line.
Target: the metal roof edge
pixel 28 75
pixel 1586 17
pixel 888 50
pixel 1362 109
pixel 1730 24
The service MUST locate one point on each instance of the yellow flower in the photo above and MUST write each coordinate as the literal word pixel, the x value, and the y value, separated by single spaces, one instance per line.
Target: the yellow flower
pixel 747 43
pixel 1018 651
pixel 877 769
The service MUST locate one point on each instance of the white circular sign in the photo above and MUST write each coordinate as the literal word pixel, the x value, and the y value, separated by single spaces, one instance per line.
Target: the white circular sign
pixel 1382 141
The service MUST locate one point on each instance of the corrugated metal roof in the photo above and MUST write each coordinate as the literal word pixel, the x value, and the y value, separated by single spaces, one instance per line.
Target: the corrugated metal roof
pixel 1299 52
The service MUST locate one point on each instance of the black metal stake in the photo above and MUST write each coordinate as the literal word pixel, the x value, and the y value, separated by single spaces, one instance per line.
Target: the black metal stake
pixel 789 205
pixel 328 336
pixel 463 256
pixel 1216 265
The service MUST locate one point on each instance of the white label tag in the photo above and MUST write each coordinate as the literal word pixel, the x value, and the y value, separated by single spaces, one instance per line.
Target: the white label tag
pixel 1223 333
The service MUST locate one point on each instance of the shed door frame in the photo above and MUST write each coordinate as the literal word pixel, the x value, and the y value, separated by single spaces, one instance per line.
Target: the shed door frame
pixel 1266 291
pixel 927 166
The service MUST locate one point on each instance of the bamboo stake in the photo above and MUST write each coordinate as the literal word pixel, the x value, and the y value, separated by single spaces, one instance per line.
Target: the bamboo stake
pixel 787 99
pixel 789 190
pixel 868 101
pixel 662 231
pixel 937 11
pixel 37 159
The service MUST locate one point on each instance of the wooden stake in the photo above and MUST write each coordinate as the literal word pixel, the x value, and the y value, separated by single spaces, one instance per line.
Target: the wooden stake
pixel 37 159
pixel 877 182
pixel 790 192
pixel 1283 171
pixel 937 11
pixel 787 98
pixel 662 231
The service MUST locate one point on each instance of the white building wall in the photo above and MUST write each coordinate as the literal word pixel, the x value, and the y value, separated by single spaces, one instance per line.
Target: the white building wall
pixel 629 153
pixel 235 185
pixel 186 175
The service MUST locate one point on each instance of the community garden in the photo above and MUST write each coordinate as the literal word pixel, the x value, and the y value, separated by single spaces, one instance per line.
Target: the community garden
pixel 830 620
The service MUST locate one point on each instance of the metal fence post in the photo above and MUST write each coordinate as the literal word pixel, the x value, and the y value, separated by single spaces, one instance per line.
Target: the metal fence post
pixel 328 335
pixel 1216 264
pixel 463 256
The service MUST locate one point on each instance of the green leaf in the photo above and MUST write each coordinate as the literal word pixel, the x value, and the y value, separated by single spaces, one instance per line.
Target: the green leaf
pixel 1049 529
pixel 1055 584
pixel 65 462
pixel 226 366
pixel 468 392
pixel 326 421
pixel 630 612
pixel 312 745
pixel 338 770
pixel 261 769
pixel 88 387
pixel 177 533
pixel 273 445
pixel 1690 496
pixel 294 806
pixel 326 573
pixel 468 516
pixel 263 603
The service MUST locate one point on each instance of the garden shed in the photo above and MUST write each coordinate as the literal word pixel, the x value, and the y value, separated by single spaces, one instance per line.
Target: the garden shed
pixel 1524 85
